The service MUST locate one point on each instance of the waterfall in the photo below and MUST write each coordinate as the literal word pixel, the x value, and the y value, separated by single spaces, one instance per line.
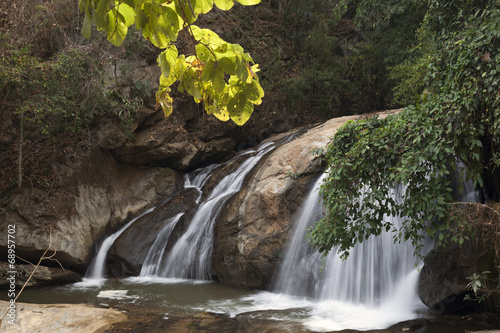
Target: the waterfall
pixel 190 256
pixel 97 268
pixel 463 189
pixel 369 276
pixel 157 250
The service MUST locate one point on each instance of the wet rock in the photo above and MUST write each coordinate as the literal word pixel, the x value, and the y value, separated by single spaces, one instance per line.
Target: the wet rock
pixel 254 227
pixel 61 318
pixel 93 198
pixel 127 254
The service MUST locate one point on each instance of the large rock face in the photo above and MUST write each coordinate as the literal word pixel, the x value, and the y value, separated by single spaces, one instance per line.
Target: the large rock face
pixel 97 196
pixel 251 233
pixel 443 280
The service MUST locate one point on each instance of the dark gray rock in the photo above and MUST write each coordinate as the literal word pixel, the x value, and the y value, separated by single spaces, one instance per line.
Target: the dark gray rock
pixel 127 254
pixel 443 280
pixel 43 276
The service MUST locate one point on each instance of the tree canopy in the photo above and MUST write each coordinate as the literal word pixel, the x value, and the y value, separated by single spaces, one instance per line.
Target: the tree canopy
pixel 219 74
pixel 455 117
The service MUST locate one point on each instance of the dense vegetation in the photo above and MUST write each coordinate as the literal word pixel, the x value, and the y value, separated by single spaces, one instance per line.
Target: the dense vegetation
pixel 452 78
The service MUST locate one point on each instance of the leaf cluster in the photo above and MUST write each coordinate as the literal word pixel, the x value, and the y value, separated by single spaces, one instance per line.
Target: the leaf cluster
pixel 219 74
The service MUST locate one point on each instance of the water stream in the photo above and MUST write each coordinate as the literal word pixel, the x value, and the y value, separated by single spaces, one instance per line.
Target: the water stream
pixel 190 257
pixel 97 268
pixel 372 289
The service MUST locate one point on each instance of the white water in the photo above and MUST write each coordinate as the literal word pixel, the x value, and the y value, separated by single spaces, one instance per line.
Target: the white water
pixel 190 257
pixel 373 288
pixel 157 249
pixel 97 269
pixel 465 190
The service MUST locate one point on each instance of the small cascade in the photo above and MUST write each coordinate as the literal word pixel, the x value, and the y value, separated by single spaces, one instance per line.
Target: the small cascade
pixel 370 276
pixel 190 257
pixel 97 267
pixel 464 190
pixel 157 250
pixel 198 178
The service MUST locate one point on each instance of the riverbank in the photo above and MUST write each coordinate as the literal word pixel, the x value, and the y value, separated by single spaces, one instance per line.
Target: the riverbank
pixel 59 318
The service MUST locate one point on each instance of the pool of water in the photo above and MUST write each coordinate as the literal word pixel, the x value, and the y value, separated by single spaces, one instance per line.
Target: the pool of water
pixel 178 297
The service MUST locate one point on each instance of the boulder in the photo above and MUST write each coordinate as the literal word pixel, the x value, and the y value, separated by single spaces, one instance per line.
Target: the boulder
pixel 254 227
pixel 443 280
pixel 169 143
pixel 43 276
pixel 61 318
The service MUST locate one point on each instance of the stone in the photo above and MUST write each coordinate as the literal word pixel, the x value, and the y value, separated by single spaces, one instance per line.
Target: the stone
pixel 127 255
pixel 43 276
pixel 61 318
pixel 93 197
pixel 254 227
pixel 443 280
pixel 168 143
pixel 109 134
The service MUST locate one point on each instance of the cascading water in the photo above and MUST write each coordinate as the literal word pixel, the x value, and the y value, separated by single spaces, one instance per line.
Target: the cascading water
pixel 190 257
pixel 95 272
pixel 191 254
pixel 157 250
pixel 377 274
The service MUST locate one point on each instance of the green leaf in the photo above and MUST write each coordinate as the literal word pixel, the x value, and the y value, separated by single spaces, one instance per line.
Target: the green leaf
pixel 165 101
pixel 191 83
pixel 203 53
pixel 141 19
pixel 228 65
pixel 169 23
pixel 127 14
pixel 218 82
pixel 254 92
pixel 203 6
pixel 167 59
pixel 115 28
pixel 219 113
pixel 240 109
pixel 186 10
pixel 249 2
pixel 224 4
pixel 207 37
pixel 208 70
pixel 86 28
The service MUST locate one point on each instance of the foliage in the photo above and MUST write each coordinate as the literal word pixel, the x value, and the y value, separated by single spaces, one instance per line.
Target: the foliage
pixel 485 289
pixel 477 282
pixel 456 118
pixel 218 73
pixel 64 94
pixel 347 55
